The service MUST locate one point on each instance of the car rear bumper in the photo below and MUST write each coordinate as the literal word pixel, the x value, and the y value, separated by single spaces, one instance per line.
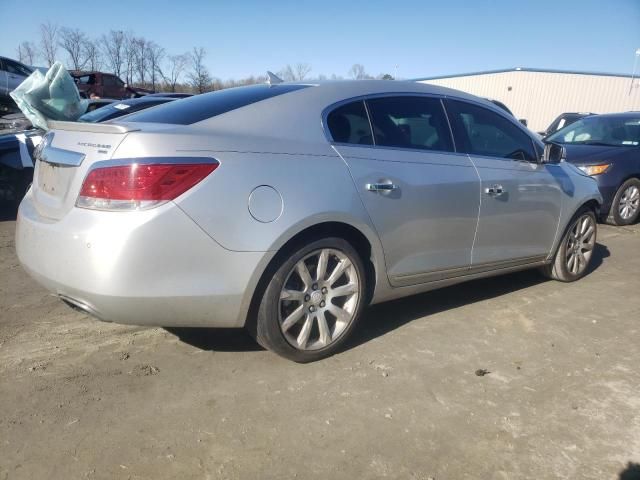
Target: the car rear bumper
pixel 154 267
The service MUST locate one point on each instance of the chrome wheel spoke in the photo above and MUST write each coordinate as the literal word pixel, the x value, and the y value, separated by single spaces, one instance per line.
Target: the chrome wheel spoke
pixel 303 337
pixel 304 274
pixel 293 318
pixel 341 314
pixel 291 295
pixel 338 271
pixel 344 290
pixel 321 271
pixel 586 237
pixel 325 333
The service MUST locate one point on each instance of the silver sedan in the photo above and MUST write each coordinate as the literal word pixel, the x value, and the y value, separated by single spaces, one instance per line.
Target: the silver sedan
pixel 287 208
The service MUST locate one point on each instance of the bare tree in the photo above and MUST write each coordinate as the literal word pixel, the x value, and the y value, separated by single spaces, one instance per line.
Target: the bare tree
pixel 93 55
pixel 73 41
pixel 302 70
pixel 357 72
pixel 199 76
pixel 129 57
pixel 27 53
pixel 113 46
pixel 155 54
pixel 49 42
pixel 295 73
pixel 140 57
pixel 175 67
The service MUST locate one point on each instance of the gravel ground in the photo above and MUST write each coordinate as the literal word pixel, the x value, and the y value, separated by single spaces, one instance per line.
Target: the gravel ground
pixel 511 377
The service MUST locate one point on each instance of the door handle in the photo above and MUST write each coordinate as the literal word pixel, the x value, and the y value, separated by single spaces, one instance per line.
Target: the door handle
pixel 381 187
pixel 495 190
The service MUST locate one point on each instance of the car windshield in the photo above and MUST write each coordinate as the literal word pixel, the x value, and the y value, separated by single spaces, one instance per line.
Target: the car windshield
pixel 601 130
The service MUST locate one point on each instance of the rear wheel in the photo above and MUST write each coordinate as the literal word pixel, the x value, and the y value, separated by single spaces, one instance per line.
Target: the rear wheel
pixel 626 204
pixel 574 254
pixel 313 301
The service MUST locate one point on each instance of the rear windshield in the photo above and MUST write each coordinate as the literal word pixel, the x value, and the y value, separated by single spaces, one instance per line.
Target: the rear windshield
pixel 200 107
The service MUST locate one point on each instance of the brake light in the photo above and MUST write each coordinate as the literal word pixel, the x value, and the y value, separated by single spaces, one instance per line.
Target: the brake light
pixel 139 186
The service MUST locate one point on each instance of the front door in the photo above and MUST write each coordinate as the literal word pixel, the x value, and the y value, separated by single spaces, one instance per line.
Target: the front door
pixel 421 196
pixel 521 199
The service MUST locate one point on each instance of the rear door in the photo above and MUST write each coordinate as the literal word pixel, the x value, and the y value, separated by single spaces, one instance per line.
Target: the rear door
pixel 521 199
pixel 421 196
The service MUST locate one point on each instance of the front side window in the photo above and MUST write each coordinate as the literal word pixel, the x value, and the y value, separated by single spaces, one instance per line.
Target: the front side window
pixel 410 122
pixel 609 131
pixel 349 124
pixel 480 131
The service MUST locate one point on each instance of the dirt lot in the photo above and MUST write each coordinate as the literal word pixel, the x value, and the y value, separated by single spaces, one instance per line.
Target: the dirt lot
pixel 84 399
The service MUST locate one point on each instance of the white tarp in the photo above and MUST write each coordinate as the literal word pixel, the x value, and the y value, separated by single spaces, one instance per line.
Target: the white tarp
pixel 53 96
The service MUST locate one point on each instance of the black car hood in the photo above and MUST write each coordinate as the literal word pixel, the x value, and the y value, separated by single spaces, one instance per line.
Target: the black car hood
pixel 593 154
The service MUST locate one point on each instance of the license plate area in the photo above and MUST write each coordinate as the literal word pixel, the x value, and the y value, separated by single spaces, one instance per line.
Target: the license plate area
pixel 54 180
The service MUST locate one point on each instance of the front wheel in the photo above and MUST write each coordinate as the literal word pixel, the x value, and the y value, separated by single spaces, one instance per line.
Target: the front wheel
pixel 625 207
pixel 574 254
pixel 313 301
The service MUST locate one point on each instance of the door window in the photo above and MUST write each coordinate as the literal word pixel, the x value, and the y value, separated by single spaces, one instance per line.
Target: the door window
pixel 111 81
pixel 479 131
pixel 410 122
pixel 349 124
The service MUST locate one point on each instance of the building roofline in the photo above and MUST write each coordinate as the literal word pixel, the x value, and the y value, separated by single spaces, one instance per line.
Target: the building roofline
pixel 524 69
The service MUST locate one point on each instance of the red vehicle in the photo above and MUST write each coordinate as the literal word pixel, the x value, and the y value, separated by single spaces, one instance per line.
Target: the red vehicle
pixel 105 85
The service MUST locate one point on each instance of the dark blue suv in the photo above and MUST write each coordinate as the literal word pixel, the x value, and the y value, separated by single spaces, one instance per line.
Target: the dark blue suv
pixel 607 147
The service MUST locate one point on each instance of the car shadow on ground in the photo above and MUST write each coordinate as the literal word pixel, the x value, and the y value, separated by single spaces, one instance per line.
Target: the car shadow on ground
pixel 383 318
pixel 631 472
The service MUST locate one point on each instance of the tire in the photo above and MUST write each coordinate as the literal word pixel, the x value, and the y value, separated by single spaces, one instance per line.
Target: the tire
pixel 289 318
pixel 577 245
pixel 625 207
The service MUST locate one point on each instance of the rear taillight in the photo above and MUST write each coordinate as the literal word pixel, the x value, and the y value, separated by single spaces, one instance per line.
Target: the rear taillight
pixel 137 186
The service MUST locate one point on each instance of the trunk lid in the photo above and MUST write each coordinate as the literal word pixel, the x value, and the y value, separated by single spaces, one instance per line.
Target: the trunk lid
pixel 63 159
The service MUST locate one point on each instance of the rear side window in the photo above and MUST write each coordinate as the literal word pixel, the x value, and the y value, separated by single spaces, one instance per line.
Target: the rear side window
pixel 350 124
pixel 480 131
pixel 410 122
pixel 207 105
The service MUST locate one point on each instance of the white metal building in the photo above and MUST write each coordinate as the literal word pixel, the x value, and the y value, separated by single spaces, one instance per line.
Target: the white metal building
pixel 539 96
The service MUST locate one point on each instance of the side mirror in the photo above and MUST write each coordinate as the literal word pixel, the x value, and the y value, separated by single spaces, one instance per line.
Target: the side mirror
pixel 553 153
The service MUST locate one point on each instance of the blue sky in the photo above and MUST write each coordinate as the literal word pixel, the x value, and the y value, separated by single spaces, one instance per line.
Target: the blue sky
pixel 423 38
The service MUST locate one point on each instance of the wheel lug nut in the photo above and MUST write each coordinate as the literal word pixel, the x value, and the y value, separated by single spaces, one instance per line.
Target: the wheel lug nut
pixel 307 298
pixel 324 290
pixel 315 286
pixel 312 308
pixel 322 304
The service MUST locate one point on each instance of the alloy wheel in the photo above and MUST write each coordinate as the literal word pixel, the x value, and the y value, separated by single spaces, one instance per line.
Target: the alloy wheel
pixel 629 202
pixel 319 299
pixel 580 243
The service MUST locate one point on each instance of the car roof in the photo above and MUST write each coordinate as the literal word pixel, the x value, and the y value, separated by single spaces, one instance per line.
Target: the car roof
pixel 619 115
